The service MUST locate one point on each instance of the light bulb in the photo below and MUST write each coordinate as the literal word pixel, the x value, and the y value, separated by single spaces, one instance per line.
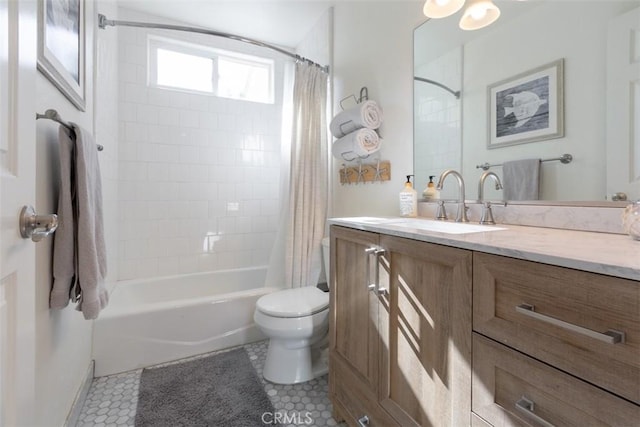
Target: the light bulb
pixel 478 13
pixel 441 8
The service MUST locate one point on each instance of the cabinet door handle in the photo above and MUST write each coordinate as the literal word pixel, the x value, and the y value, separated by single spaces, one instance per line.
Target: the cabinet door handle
pixel 380 290
pixel 526 407
pixel 363 421
pixel 367 277
pixel 610 337
pixel 375 285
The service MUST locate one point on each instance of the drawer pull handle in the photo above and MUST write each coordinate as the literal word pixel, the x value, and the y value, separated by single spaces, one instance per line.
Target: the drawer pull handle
pixel 610 337
pixel 363 421
pixel 526 407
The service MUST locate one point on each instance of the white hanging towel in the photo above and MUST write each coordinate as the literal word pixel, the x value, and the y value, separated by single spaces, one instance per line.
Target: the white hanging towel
pixel 79 253
pixel 359 143
pixel 365 115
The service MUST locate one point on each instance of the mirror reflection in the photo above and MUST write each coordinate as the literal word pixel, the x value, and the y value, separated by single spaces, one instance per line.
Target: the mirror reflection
pixel 583 106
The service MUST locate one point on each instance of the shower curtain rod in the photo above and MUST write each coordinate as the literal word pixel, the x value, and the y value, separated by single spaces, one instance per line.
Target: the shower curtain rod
pixel 103 22
pixel 433 82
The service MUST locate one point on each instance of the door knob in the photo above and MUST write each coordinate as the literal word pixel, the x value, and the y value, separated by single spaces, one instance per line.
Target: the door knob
pixel 36 227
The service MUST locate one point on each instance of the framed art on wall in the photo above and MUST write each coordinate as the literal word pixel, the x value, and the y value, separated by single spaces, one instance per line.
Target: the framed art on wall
pixel 528 107
pixel 61 47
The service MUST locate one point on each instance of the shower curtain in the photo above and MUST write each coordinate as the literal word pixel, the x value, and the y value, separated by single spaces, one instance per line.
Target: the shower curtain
pixel 297 256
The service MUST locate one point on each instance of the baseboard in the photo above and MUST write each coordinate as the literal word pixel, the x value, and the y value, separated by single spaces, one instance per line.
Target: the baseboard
pixel 76 409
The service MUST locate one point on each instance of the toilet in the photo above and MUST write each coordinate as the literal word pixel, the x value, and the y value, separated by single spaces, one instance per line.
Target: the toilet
pixel 296 321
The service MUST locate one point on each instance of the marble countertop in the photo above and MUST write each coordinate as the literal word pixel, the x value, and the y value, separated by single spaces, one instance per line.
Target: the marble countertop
pixel 611 254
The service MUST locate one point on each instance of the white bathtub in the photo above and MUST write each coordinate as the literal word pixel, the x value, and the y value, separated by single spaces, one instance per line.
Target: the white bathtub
pixel 157 320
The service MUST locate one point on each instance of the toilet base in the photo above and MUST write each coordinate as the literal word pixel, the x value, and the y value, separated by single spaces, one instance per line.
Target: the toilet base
pixel 293 362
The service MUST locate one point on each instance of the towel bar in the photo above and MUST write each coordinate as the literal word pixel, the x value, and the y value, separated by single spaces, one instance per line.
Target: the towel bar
pixel 51 114
pixel 564 159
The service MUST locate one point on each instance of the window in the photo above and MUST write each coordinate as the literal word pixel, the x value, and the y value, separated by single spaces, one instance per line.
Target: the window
pixel 183 66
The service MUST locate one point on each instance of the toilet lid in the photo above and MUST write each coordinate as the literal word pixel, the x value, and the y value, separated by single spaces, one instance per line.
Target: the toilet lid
pixel 294 302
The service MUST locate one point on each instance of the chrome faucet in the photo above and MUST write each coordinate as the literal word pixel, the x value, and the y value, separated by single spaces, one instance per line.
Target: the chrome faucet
pixel 487 214
pixel 461 214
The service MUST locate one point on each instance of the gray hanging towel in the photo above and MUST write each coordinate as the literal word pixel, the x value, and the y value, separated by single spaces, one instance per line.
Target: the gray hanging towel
pixel 79 257
pixel 521 179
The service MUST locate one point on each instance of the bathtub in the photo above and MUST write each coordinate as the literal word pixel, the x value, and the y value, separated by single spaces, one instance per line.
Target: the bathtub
pixel 158 320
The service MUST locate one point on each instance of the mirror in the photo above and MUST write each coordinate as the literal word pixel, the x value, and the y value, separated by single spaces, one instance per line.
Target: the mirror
pixel 452 132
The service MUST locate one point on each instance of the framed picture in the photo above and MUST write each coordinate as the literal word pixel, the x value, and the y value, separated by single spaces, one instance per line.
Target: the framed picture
pixel 528 107
pixel 61 47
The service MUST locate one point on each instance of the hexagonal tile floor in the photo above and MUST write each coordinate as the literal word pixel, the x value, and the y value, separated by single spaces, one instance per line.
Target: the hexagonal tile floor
pixel 112 400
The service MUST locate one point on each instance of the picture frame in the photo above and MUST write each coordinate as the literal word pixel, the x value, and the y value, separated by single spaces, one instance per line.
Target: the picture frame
pixel 527 107
pixel 61 47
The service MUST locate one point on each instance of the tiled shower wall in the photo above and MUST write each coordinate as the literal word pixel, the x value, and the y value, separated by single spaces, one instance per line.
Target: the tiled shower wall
pixel 199 175
pixel 438 139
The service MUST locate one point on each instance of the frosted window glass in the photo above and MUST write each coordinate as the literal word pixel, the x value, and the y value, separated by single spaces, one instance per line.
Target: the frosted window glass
pixel 184 71
pixel 250 81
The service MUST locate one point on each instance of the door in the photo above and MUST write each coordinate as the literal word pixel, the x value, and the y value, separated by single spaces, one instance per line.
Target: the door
pixel 17 187
pixel 623 105
pixel 426 369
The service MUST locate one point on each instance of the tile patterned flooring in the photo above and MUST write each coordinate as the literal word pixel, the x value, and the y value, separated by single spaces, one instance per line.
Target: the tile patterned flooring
pixel 112 400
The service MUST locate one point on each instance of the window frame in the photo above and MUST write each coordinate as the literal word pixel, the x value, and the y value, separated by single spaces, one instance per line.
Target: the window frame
pixel 179 46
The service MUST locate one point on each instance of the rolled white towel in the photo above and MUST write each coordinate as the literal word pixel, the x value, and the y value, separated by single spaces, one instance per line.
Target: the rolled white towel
pixel 360 143
pixel 365 115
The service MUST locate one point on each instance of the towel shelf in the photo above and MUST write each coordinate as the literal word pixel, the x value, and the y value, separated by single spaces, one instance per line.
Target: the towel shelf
pixel 51 114
pixel 564 159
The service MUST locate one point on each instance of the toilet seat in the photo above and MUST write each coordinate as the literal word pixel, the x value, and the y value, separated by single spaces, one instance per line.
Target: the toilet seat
pixel 297 302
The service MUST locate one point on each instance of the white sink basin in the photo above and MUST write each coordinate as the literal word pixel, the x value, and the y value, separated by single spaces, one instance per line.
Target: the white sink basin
pixel 442 226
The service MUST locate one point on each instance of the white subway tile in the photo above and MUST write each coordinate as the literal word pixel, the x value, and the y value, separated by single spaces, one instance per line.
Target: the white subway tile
pixel 128 73
pixel 168 266
pixel 199 137
pixel 159 134
pixel 199 102
pixel 190 154
pixel 134 92
pixel 147 114
pixel 147 267
pixel 189 119
pixel 207 262
pixel 169 116
pixel 208 120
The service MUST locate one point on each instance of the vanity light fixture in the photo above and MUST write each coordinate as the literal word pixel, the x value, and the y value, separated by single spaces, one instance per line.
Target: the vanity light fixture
pixel 442 8
pixel 479 14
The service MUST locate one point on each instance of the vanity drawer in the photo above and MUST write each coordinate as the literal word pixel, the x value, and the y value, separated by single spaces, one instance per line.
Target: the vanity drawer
pixel 511 389
pixel 560 316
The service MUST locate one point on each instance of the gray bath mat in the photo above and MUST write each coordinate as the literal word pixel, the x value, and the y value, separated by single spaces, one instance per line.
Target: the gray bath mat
pixel 219 390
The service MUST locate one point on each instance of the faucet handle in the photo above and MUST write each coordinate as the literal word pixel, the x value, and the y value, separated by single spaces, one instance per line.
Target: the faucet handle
pixel 441 213
pixel 487 214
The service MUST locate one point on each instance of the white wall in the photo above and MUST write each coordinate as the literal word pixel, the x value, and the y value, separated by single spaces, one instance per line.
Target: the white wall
pixel 63 337
pixel 373 47
pixel 193 164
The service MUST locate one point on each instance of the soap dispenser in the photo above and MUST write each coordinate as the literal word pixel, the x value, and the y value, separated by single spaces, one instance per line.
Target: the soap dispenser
pixel 431 193
pixel 408 199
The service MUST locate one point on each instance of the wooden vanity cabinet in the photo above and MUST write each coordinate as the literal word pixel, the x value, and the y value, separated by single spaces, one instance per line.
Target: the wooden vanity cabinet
pixel 548 345
pixel 400 334
pixel 567 341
